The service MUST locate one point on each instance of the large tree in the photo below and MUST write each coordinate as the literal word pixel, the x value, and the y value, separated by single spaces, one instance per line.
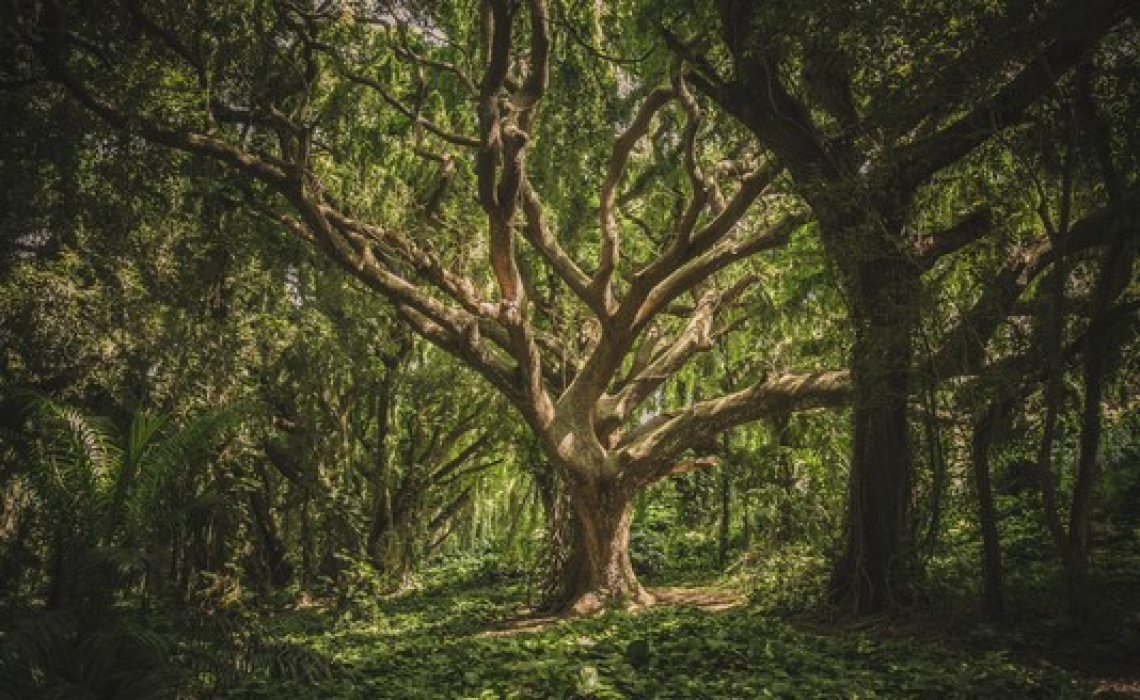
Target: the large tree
pixel 866 106
pixel 578 325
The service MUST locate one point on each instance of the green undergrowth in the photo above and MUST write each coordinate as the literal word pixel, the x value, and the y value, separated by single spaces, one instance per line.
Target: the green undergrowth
pixel 433 645
pixel 460 635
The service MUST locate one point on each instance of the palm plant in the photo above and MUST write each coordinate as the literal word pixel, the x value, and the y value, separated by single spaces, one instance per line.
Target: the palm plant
pixel 59 655
pixel 113 497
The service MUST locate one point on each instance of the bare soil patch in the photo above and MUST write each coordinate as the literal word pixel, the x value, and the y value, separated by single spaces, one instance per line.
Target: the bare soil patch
pixel 711 598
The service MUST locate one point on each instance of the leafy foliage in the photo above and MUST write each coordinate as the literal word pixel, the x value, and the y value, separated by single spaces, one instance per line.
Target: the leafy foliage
pixel 327 325
pixel 435 643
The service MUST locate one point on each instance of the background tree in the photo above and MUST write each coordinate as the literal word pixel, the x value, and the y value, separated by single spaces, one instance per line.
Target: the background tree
pixel 866 109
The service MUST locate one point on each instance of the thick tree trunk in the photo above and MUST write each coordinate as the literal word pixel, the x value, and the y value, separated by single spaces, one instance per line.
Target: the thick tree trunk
pixel 559 535
pixel 600 573
pixel 876 568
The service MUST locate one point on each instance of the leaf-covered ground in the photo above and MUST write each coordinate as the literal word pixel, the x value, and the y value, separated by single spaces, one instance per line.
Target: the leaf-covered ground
pixel 436 645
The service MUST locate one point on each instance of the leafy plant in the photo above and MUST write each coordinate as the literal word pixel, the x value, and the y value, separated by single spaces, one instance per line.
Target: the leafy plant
pixel 58 655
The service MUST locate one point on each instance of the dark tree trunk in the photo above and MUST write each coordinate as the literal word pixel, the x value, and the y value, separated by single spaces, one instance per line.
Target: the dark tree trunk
pixel 724 531
pixel 271 549
pixel 1088 468
pixel 306 537
pixel 993 594
pixel 786 479
pixel 1115 275
pixel 58 571
pixel 273 566
pixel 876 568
pixel 382 523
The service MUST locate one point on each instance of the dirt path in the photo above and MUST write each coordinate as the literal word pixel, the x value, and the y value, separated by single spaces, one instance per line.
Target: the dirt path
pixel 711 598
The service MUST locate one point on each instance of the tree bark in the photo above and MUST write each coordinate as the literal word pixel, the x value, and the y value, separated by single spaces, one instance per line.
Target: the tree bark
pixel 724 529
pixel 1115 273
pixel 600 572
pixel 275 566
pixel 786 480
pixel 993 594
pixel 876 568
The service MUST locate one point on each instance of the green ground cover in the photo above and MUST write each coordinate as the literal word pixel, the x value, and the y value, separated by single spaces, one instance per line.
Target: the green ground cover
pixel 447 643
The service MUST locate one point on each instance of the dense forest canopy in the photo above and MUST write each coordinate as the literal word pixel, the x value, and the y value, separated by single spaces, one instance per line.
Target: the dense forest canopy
pixel 300 299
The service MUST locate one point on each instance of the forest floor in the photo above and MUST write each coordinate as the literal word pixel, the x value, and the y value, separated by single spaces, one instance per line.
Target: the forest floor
pixel 470 636
pixel 711 598
pixel 476 640
pixel 1093 655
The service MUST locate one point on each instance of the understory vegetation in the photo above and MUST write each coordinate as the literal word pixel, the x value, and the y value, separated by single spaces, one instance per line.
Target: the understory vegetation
pixel 464 634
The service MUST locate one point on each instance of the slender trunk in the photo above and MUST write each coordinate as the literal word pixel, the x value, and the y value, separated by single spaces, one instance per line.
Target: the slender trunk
pixel 1080 513
pixel 1054 398
pixel 993 595
pixel 515 515
pixel 381 525
pixel 306 536
pixel 1054 333
pixel 724 531
pixel 275 566
pixel 876 568
pixel 786 479
pixel 58 573
pixel 938 475
pixel 1115 274
pixel 746 522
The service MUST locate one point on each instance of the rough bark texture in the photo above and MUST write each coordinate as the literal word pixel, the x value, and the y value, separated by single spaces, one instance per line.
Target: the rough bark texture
pixel 602 575
pixel 875 569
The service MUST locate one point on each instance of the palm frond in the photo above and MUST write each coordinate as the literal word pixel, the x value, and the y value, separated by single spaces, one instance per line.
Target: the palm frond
pixel 79 451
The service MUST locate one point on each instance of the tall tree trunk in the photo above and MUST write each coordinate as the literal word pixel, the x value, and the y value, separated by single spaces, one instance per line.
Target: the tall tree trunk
pixel 1080 513
pixel 724 529
pixel 993 594
pixel 876 568
pixel 381 525
pixel 1115 274
pixel 600 573
pixel 275 566
pixel 306 537
pixel 785 479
